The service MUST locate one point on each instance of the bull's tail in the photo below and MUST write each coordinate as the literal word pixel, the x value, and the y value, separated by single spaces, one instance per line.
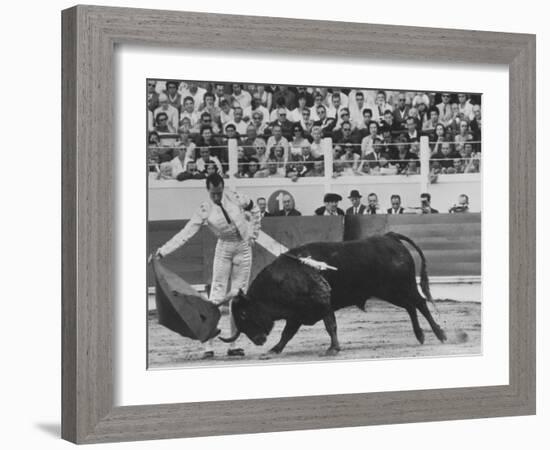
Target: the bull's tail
pixel 424 282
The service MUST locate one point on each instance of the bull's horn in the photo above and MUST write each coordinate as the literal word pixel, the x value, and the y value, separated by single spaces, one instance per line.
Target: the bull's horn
pixel 230 339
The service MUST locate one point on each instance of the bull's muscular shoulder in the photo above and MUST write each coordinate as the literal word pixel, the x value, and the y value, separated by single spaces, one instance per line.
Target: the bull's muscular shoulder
pixel 290 286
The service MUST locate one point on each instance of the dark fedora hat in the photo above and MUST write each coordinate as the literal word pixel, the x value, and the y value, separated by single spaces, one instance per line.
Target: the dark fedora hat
pixel 355 194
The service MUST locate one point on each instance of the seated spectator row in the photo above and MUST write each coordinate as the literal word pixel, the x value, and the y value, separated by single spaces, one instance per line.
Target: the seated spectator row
pixel 331 205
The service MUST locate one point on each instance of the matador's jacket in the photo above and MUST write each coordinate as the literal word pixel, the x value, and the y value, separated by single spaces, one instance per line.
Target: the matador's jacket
pixel 243 224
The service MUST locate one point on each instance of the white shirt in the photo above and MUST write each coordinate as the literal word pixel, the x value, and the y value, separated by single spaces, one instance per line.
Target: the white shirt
pixel 201 165
pixel 225 119
pixel 241 127
pixel 248 112
pixel 194 117
pixel 177 166
pixel 467 110
pixel 198 97
pixel 243 100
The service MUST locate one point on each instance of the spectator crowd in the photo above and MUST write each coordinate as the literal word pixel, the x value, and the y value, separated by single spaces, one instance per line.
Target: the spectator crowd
pixel 281 131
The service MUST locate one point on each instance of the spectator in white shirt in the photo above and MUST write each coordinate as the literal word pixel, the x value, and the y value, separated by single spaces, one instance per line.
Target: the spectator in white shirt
pixel 179 163
pixel 277 139
pixel 226 113
pixel 171 112
pixel 336 104
pixel 465 107
pixel 261 152
pixel 241 98
pixel 238 121
pixel 381 106
pixel 255 106
pixel 343 99
pixel 368 141
pixel 356 108
pixel 192 89
pixel 317 149
pixel 191 113
pixel 317 101
pixel 187 144
pixel 259 123
pixel 211 109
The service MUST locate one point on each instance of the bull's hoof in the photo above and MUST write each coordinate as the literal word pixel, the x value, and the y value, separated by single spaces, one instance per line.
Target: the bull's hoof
pixel 275 350
pixel 268 355
pixel 441 335
pixel 420 337
pixel 332 351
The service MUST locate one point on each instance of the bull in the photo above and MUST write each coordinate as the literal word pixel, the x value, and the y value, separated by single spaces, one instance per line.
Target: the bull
pixel 378 266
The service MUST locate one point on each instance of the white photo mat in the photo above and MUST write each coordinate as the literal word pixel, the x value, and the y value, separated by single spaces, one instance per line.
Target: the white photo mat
pixel 134 385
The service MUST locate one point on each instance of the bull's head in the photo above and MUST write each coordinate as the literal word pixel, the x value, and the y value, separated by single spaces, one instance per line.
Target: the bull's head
pixel 250 318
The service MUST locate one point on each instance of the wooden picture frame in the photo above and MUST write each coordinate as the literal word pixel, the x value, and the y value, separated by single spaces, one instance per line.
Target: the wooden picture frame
pixel 90 34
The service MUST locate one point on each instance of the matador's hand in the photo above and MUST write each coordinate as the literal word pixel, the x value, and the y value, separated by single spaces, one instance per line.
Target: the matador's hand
pixel 156 255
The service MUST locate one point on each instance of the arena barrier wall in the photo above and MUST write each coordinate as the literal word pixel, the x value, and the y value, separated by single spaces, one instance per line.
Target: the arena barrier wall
pixel 450 242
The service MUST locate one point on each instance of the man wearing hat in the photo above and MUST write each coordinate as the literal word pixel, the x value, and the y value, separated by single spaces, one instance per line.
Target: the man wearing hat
pixel 331 206
pixel 356 206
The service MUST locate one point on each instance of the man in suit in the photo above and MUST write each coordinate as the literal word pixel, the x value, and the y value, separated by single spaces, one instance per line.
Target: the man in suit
pixel 262 205
pixel 288 207
pixel 331 206
pixel 396 207
pixel 356 206
pixel 426 207
pixel 401 111
pixel 372 207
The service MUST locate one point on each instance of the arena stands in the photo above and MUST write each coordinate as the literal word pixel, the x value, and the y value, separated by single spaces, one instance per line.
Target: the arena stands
pixel 277 141
pixel 282 131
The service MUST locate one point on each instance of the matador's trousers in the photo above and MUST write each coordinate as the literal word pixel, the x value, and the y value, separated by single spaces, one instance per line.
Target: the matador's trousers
pixel 231 272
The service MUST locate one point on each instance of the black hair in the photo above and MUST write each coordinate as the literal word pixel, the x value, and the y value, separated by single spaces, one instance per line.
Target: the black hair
pixel 214 179
pixel 426 195
pixel 163 114
pixel 395 196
